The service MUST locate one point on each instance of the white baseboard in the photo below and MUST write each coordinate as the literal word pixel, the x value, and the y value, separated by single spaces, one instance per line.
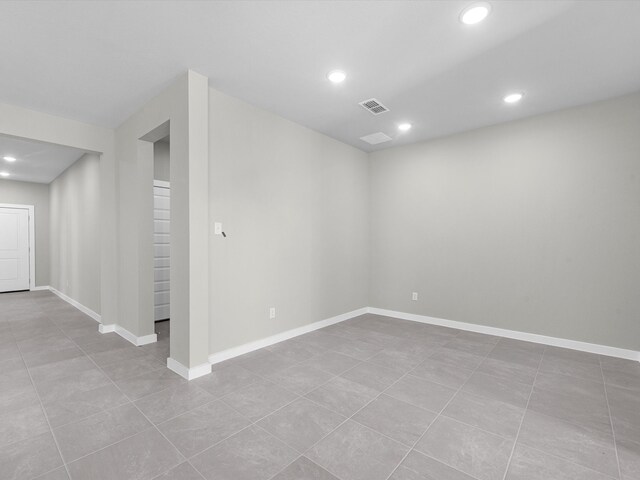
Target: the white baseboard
pixel 137 341
pixel 188 373
pixel 123 332
pixel 78 305
pixel 501 332
pixel 102 328
pixel 127 335
pixel 281 337
pixel 43 287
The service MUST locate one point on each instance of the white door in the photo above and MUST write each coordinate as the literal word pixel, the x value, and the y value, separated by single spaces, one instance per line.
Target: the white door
pixel 162 260
pixel 14 249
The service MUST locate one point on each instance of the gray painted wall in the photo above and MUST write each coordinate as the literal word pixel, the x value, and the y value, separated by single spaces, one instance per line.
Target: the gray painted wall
pixel 532 225
pixel 36 194
pixel 75 232
pixel 295 207
pixel 161 161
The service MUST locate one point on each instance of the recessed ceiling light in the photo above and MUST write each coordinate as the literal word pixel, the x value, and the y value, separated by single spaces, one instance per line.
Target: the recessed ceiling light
pixel 4 174
pixel 336 76
pixel 475 13
pixel 403 127
pixel 513 97
pixel 9 159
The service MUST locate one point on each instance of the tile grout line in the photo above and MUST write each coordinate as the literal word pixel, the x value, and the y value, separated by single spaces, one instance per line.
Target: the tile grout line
pixel 98 413
pixel 384 392
pixel 170 443
pixel 128 402
pixel 106 446
pixel 187 462
pixel 613 432
pixel 258 375
pixel 350 418
pixel 480 396
pixel 312 401
pixel 271 381
pixel 153 426
pixel 44 412
pixel 524 414
pixel 569 422
pixel 321 385
pixel 440 415
pixel 251 424
pixel 126 396
pixel 565 420
pixel 298 396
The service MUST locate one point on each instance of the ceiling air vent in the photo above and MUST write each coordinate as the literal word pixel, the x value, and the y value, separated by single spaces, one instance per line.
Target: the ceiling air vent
pixel 374 106
pixel 376 138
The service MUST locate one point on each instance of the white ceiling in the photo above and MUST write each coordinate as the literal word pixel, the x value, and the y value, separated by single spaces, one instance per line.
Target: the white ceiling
pixel 100 61
pixel 35 161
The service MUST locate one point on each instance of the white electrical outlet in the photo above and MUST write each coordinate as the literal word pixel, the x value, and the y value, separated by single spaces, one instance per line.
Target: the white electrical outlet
pixel 414 296
pixel 272 313
pixel 217 228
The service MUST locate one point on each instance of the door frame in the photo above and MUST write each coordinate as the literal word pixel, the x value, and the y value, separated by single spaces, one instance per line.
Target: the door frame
pixel 32 240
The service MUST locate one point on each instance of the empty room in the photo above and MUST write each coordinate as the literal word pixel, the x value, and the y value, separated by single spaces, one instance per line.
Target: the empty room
pixel 320 240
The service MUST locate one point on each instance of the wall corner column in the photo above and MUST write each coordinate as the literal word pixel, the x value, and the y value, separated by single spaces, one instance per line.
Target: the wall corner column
pixel 190 345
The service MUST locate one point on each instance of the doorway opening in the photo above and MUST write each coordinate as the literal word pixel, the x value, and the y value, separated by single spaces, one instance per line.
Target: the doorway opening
pixel 162 237
pixel 49 211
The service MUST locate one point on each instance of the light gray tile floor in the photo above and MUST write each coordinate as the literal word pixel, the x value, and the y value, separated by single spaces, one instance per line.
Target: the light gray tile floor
pixel 370 398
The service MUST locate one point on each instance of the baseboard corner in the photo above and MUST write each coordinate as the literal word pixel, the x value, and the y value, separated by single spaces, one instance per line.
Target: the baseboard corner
pixel 281 337
pixel 134 339
pixel 127 335
pixel 514 334
pixel 41 288
pixel 102 328
pixel 188 373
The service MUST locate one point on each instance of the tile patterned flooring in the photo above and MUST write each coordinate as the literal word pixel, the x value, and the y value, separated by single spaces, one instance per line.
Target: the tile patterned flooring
pixel 373 398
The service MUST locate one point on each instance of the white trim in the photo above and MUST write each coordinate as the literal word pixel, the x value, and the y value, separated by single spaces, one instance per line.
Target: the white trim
pixel 43 287
pixel 161 184
pixel 32 240
pixel 123 332
pixel 188 373
pixel 102 328
pixel 501 332
pixel 78 305
pixel 127 335
pixel 471 327
pixel 281 337
pixel 137 341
